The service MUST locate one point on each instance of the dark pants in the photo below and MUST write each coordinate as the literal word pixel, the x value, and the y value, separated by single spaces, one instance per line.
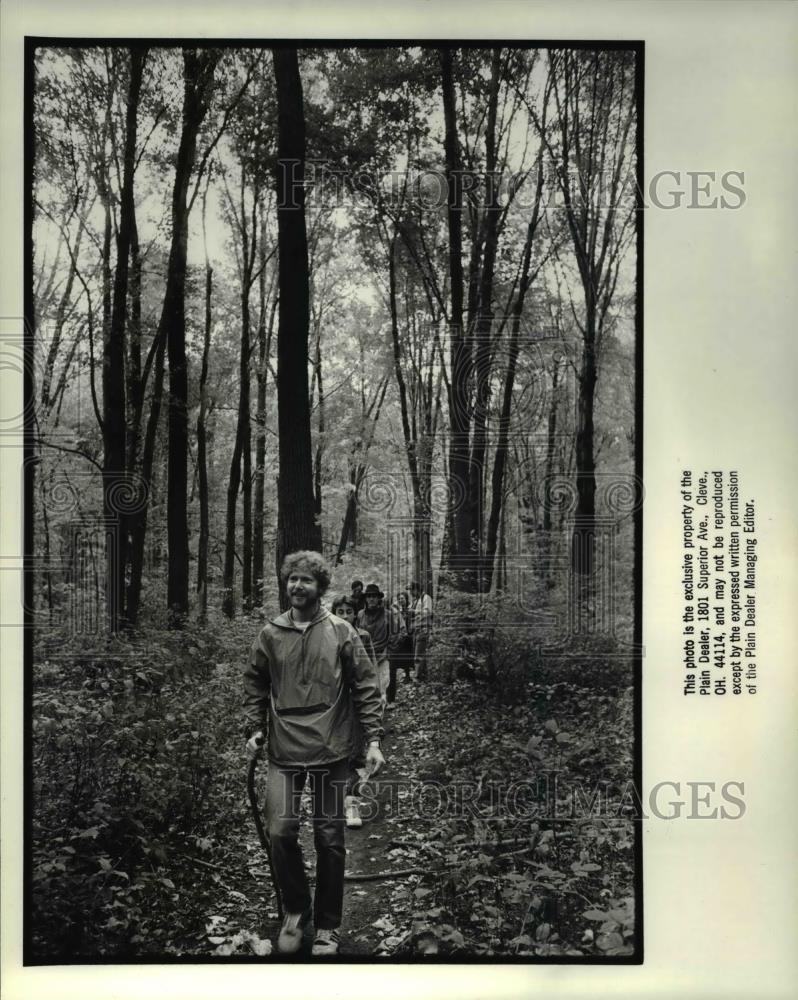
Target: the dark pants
pixel 420 642
pixel 284 792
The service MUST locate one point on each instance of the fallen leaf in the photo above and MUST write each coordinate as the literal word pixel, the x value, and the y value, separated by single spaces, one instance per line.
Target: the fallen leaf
pixel 607 941
pixel 260 947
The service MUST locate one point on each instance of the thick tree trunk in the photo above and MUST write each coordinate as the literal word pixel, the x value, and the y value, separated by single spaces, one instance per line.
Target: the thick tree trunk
pixel 198 75
pixel 114 412
pixel 296 523
pixel 136 381
pixel 460 363
pixel 483 346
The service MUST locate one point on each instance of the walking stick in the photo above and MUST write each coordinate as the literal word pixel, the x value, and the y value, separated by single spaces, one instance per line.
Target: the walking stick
pixel 262 835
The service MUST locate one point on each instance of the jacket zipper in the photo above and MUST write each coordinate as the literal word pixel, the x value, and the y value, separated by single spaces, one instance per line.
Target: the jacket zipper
pixel 304 631
pixel 302 649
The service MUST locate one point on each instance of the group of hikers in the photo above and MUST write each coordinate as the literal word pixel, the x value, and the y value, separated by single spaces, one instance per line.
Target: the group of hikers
pixel 316 687
pixel 397 631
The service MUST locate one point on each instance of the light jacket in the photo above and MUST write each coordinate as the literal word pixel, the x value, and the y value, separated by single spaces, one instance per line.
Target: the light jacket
pixel 307 687
pixel 422 613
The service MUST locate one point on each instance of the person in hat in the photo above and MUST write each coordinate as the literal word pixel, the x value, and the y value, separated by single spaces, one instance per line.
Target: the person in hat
pixel 309 678
pixel 385 628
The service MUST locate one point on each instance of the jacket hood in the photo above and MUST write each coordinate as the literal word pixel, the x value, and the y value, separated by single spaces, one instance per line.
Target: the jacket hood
pixel 284 620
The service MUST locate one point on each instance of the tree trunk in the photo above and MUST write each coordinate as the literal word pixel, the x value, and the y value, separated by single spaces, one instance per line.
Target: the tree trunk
pixel 350 515
pixel 594 124
pixel 61 313
pixel 548 472
pixel 296 523
pixel 583 541
pixel 202 459
pixel 500 458
pixel 246 475
pixel 139 519
pixel 483 347
pixel 358 467
pixel 264 350
pixel 198 73
pixel 320 428
pixel 258 545
pixel 136 381
pixel 114 412
pixel 460 362
pixel 242 453
pixel 239 449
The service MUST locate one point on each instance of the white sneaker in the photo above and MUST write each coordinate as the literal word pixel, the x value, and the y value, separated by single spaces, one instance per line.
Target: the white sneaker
pixel 352 809
pixel 325 943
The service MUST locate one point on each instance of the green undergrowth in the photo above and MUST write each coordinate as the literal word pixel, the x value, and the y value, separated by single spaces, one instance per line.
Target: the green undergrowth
pixel 528 831
pixel 515 815
pixel 136 772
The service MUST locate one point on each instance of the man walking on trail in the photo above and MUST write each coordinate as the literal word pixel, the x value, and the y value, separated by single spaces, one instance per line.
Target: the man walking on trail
pixel 386 630
pixel 421 610
pixel 308 679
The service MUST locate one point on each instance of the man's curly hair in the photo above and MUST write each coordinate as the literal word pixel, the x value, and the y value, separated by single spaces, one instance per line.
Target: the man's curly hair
pixel 313 562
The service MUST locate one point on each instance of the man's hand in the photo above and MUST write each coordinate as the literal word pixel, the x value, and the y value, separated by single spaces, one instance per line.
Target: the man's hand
pixel 374 759
pixel 255 745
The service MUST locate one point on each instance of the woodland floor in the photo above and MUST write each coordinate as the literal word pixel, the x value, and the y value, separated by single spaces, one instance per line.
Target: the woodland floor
pixel 483 867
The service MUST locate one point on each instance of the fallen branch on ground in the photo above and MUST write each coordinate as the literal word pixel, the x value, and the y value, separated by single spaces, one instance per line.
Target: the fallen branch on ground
pixel 514 842
pixel 399 873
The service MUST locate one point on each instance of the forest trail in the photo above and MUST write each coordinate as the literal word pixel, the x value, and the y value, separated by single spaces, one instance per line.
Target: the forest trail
pixel 483 815
pixel 471 875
